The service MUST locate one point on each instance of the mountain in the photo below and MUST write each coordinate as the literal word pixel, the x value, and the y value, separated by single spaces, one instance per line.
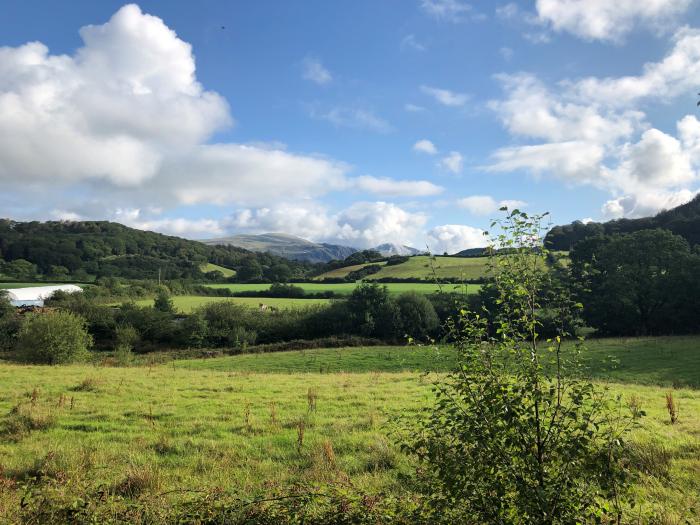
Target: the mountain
pixel 388 249
pixel 684 220
pixel 287 246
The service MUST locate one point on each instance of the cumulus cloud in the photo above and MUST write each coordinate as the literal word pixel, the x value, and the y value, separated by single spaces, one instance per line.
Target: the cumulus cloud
pixel 363 224
pixel 124 119
pixel 487 205
pixel 445 96
pixel 608 20
pixel 314 71
pixel 452 162
pixel 452 238
pixel 594 131
pixel 396 188
pixel 425 146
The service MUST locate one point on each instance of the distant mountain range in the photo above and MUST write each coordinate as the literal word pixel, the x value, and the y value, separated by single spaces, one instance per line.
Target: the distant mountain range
pixel 388 249
pixel 287 246
pixel 300 249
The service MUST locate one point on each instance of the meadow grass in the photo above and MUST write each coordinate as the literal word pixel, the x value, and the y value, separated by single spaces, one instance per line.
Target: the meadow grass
pixel 347 288
pixel 5 286
pixel 188 303
pixel 211 267
pixel 158 432
pixel 661 361
pixel 424 267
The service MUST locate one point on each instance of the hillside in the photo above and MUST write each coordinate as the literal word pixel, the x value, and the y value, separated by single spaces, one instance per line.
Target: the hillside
pixel 683 220
pixel 287 246
pixel 420 267
pixel 85 249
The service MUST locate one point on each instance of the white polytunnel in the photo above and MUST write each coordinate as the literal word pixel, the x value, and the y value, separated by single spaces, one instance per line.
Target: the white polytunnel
pixel 35 296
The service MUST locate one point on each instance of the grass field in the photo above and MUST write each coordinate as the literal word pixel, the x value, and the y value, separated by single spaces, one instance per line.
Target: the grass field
pixel 419 267
pixel 5 286
pixel 155 433
pixel 347 288
pixel 209 267
pixel 660 361
pixel 188 303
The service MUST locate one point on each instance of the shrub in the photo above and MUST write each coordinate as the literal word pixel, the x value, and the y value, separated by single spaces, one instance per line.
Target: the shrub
pixel 163 302
pixel 54 338
pixel 418 315
pixel 514 435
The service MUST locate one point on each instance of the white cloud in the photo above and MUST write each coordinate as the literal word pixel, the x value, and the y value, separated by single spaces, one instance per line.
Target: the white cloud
pixel 593 131
pixel 314 71
pixel 412 108
pixel 425 146
pixel 354 118
pixel 241 174
pixel 487 205
pixel 506 53
pixel 123 122
pixel 452 162
pixel 645 204
pixel 397 188
pixel 445 96
pixel 450 10
pixel 608 20
pixel 411 42
pixel 453 238
pixel 677 73
pixel 363 224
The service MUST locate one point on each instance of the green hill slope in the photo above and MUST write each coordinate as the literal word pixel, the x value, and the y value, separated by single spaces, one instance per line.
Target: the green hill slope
pixel 422 267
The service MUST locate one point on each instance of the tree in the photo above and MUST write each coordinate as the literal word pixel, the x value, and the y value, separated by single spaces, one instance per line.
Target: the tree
pixel 21 269
pixel 515 436
pixel 418 315
pixel 279 273
pixel 54 338
pixel 9 322
pixel 250 270
pixel 365 305
pixel 163 302
pixel 637 284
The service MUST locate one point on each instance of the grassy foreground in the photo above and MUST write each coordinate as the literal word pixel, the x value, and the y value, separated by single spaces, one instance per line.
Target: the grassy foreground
pixel 152 434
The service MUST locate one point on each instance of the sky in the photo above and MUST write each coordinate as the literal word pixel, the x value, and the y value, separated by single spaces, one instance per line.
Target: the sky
pixel 352 122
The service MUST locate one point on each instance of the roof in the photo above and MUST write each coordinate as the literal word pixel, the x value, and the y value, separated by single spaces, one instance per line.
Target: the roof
pixel 39 293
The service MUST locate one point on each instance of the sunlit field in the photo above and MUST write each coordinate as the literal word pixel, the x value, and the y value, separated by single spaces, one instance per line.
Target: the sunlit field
pixel 151 434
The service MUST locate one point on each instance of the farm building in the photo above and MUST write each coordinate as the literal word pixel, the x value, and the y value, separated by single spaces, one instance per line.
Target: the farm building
pixel 37 295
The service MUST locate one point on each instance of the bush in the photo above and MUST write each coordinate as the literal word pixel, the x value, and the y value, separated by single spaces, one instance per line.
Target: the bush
pixel 418 315
pixel 54 338
pixel 515 436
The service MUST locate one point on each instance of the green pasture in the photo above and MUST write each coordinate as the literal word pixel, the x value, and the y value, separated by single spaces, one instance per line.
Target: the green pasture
pixel 5 286
pixel 156 435
pixel 188 303
pixel 660 361
pixel 424 267
pixel 347 288
pixel 210 267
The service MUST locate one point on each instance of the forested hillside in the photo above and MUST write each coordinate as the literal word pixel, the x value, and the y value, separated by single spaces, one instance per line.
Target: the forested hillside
pixel 82 250
pixel 683 220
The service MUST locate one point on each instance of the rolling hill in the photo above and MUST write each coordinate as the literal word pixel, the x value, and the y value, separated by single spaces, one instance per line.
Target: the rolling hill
pixel 421 267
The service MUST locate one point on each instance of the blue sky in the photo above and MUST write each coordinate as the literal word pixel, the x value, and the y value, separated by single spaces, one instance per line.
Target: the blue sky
pixel 361 122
